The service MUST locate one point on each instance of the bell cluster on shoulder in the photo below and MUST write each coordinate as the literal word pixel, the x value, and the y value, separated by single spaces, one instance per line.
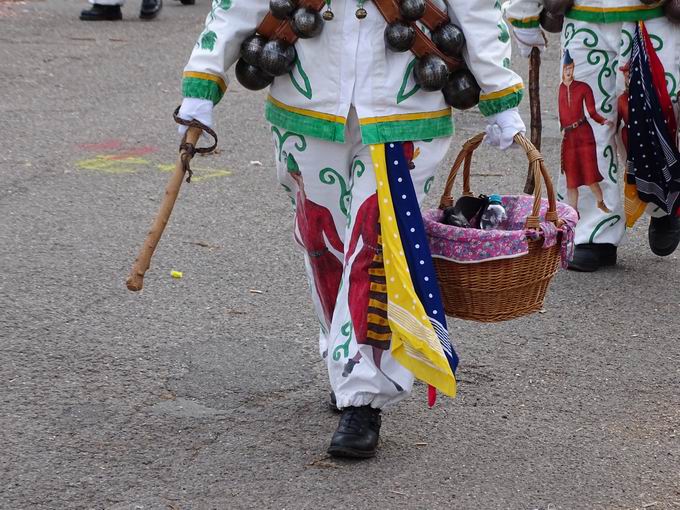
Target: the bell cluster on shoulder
pixel 439 65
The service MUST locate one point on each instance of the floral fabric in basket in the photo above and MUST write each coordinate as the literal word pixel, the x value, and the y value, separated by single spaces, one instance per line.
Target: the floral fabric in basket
pixel 471 245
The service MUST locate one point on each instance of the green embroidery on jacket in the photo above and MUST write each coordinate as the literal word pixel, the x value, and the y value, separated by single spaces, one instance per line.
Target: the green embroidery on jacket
pixel 403 95
pixel 307 89
pixel 208 40
pixel 504 36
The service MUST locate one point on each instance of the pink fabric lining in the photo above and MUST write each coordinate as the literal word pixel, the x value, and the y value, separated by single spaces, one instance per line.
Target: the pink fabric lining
pixel 472 245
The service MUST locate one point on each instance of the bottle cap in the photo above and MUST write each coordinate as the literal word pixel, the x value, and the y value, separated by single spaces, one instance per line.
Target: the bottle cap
pixel 495 199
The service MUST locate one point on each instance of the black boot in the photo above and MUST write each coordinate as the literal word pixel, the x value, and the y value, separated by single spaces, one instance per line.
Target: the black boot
pixel 664 235
pixel 333 403
pixel 188 2
pixel 102 13
pixel 357 433
pixel 591 257
pixel 150 8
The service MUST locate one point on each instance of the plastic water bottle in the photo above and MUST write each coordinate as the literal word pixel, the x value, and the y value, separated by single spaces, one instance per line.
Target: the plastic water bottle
pixel 494 214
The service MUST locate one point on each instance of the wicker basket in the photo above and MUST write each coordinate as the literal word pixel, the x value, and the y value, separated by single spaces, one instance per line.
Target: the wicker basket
pixel 500 290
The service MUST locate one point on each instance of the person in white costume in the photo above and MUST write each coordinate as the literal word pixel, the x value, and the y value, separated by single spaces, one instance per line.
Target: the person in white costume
pixel 597 40
pixel 344 94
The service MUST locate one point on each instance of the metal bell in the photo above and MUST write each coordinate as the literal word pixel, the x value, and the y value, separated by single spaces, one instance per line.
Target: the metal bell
pixel 282 9
pixel 277 58
pixel 672 10
pixel 307 23
pixel 251 77
pixel 449 39
pixel 328 15
pixel 461 90
pixel 361 13
pixel 399 36
pixel 412 10
pixel 431 73
pixel 251 49
pixel 551 22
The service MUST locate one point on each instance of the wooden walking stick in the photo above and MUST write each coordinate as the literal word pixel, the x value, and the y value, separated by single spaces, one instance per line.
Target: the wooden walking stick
pixel 187 149
pixel 535 105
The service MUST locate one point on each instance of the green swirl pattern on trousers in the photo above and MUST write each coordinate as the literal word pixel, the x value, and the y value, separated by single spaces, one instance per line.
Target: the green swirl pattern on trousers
pixel 330 176
pixel 342 350
pixel 356 174
pixel 300 145
pixel 613 219
pixel 613 167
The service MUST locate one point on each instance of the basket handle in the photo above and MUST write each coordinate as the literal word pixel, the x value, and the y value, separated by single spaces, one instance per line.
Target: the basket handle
pixel 536 166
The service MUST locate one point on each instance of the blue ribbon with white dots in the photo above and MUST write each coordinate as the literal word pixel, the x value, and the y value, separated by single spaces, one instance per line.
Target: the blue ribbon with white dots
pixel 415 245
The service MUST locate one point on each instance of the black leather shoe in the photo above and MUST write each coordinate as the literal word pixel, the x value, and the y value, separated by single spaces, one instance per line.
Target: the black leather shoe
pixel 150 8
pixel 664 235
pixel 357 433
pixel 591 257
pixel 188 2
pixel 102 13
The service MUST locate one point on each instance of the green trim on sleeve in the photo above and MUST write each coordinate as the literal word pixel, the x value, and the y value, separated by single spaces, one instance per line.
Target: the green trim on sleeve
pixel 201 89
pixel 497 105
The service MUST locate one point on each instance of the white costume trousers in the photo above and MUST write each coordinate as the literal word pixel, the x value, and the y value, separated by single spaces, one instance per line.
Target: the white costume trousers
pixel 333 187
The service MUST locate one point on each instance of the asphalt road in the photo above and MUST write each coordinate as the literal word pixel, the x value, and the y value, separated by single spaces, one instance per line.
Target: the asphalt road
pixel 207 391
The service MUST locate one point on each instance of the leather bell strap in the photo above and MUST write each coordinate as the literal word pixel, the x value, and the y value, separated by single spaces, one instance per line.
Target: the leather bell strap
pixel 274 28
pixel 432 19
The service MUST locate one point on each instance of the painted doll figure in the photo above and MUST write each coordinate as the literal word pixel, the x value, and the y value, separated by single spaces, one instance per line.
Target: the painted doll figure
pixel 345 102
pixel 598 34
pixel 579 156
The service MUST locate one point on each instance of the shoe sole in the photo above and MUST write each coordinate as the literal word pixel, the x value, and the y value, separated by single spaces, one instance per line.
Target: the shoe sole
pixel 350 453
pixel 148 17
pixel 591 269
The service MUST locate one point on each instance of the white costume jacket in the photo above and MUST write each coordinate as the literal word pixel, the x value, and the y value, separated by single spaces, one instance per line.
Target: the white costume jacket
pixel 349 65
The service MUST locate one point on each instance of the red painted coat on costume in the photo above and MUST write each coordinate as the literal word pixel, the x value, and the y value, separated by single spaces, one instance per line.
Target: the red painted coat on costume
pixel 315 225
pixel 579 155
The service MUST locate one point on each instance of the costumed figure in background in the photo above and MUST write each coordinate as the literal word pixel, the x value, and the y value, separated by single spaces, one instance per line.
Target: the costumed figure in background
pixel 355 89
pixel 599 36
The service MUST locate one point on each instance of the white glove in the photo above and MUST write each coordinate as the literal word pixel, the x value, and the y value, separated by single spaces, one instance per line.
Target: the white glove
pixel 195 109
pixel 503 127
pixel 528 38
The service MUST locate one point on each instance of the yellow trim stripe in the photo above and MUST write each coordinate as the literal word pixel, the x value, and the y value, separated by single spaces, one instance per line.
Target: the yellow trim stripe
pixel 630 8
pixel 209 77
pixel 502 93
pixel 405 116
pixel 307 113
pixel 523 20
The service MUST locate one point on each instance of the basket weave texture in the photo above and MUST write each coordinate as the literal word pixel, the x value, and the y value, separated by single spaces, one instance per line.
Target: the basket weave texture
pixel 500 290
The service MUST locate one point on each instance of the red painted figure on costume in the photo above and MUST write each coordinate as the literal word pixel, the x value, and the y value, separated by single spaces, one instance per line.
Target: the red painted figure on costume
pixel 315 225
pixel 579 151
